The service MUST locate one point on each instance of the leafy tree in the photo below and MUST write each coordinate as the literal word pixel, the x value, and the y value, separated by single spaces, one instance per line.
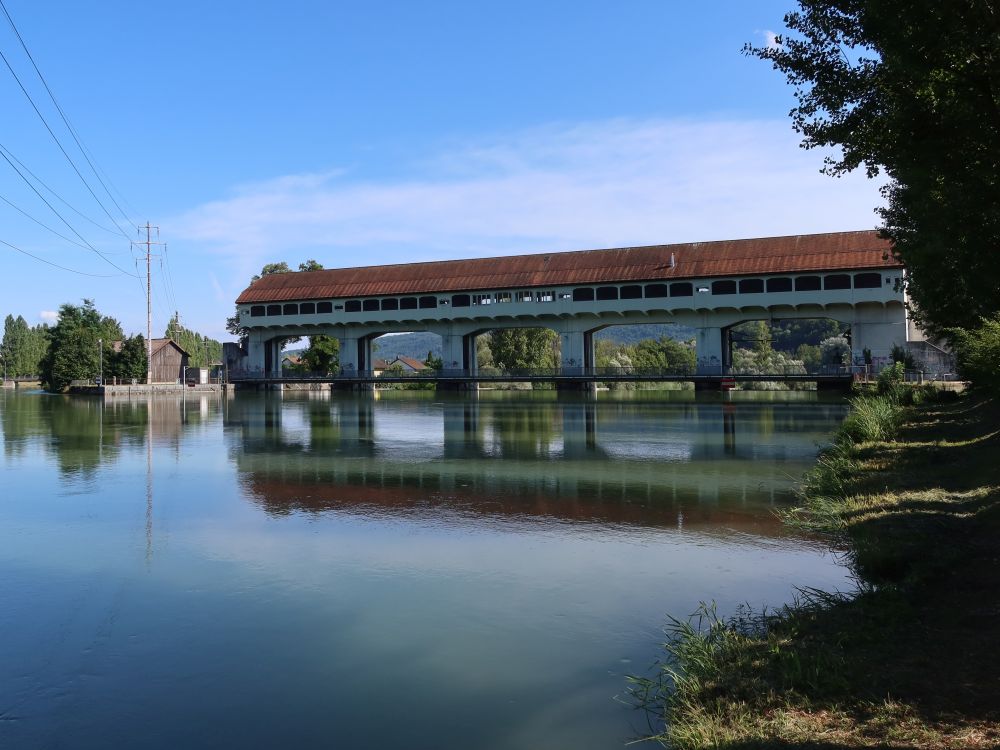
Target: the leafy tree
pixel 270 268
pixel 663 355
pixel 323 354
pixel 202 351
pixel 310 265
pixel 23 346
pixel 129 362
pixel 910 89
pixel 73 352
pixel 434 363
pixel 524 348
pixel 835 351
pixel 978 353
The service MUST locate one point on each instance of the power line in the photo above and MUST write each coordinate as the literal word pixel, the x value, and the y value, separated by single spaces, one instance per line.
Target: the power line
pixel 59 144
pixel 56 195
pixel 42 224
pixel 64 268
pixel 65 119
pixel 61 218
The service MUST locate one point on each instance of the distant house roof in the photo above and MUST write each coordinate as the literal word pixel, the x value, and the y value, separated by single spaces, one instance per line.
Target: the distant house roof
pixel 410 363
pixel 793 254
pixel 380 364
pixel 292 358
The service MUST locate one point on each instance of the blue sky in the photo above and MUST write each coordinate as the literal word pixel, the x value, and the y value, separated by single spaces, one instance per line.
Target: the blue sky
pixel 359 133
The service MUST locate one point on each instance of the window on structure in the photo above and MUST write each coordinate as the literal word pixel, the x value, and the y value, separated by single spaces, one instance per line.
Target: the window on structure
pixel 390 304
pixel 408 303
pixel 565 295
pixel 352 305
pixel 369 304
pixel 806 283
pixel 607 292
pixel 460 300
pixel 257 311
pixel 482 299
pixel 780 284
pixel 867 280
pixel 583 294
pixel 656 290
pixel 307 308
pixel 724 287
pixel 549 296
pixel 326 307
pixel 274 309
pixel 631 292
pixel 428 302
pixel 290 309
pixel 505 297
pixel 523 297
pixel 837 281
pixel 751 286
pixel 681 289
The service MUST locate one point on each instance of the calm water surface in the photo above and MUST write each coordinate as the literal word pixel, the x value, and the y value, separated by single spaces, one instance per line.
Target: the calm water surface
pixel 352 572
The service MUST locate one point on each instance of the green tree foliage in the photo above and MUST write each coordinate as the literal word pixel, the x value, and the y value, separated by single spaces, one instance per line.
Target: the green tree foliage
pixel 270 268
pixel 323 354
pixel 524 349
pixel 202 351
pixel 662 355
pixel 835 351
pixel 434 363
pixel 129 362
pixel 310 265
pixel 910 89
pixel 978 353
pixel 73 352
pixel 23 346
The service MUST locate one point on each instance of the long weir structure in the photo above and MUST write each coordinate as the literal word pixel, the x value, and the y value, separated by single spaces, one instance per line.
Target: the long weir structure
pixel 850 277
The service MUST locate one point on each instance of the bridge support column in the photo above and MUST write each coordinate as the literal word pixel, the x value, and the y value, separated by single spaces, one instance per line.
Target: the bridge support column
pixel 577 356
pixel 256 348
pixel 709 350
pixel 878 338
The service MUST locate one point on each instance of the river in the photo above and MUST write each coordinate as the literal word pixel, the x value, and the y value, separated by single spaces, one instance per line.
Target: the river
pixel 411 570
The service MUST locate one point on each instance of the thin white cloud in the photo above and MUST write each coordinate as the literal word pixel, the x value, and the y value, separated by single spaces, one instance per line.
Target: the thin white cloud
pixel 49 316
pixel 770 39
pixel 605 184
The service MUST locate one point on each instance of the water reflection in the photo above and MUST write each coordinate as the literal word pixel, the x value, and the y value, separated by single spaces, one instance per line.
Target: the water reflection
pixel 511 558
pixel 644 462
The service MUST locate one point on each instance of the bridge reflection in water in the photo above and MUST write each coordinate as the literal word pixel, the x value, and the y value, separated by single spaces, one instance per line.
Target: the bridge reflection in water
pixel 472 460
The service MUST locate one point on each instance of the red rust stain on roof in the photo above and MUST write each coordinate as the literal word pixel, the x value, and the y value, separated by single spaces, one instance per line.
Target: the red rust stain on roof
pixel 770 255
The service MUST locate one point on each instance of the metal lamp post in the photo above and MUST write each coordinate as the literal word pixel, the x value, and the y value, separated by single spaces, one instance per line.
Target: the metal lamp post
pixel 100 355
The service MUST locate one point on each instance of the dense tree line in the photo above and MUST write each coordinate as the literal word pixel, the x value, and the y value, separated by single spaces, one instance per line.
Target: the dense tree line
pixel 23 346
pixel 83 344
pixel 202 351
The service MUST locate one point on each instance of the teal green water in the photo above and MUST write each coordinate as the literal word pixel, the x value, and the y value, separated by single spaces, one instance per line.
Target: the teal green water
pixel 408 571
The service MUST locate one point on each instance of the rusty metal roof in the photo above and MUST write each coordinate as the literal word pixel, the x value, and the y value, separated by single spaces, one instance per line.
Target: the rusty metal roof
pixel 769 255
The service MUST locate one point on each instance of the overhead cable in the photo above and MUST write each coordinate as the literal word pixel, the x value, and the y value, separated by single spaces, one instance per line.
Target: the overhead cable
pixel 49 262
pixel 83 150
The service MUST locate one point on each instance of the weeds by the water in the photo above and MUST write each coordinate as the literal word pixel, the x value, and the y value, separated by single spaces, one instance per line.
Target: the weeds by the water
pixel 872 419
pixel 893 665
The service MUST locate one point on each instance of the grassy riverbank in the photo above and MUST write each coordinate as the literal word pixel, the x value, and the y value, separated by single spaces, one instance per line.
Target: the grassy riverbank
pixel 913 660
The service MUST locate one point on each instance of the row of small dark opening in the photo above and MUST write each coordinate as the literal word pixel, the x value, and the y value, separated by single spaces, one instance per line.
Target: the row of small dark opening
pixel 589 294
